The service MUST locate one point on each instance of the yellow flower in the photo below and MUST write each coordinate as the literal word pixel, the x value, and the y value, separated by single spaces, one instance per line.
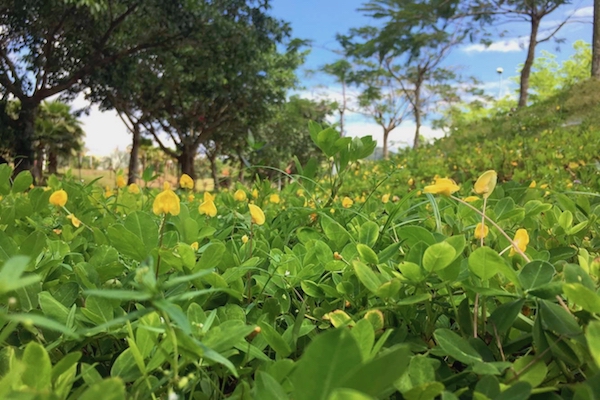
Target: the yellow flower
pixel 347 202
pixel 208 206
pixel 521 240
pixel 74 220
pixel 479 231
pixel 257 215
pixel 544 186
pixel 194 246
pixel 58 198
pixel 471 199
pixel 274 198
pixel 121 182
pixel 245 239
pixel 108 192
pixel 133 188
pixel 57 231
pixel 255 193
pixel 486 183
pixel 240 195
pixel 411 182
pixel 532 184
pixel 166 202
pixel 191 197
pixel 186 182
pixel 443 186
pixel 385 198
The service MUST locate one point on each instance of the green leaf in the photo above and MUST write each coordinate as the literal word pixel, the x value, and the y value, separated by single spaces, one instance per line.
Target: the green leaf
pixel 518 391
pixel 40 321
pixel 107 389
pixel 11 272
pixel 334 232
pixel 536 273
pixel 125 367
pixel 529 370
pixel 582 296
pixel 348 394
pixel 38 368
pixel 367 254
pixel 414 234
pixel 438 256
pixel 456 346
pixel 557 319
pixel 143 225
pixel 366 276
pixel 504 316
pixel 5 172
pixel 592 335
pixel 98 310
pixel 267 388
pixel 485 262
pixel 412 271
pixel 365 337
pixel 368 233
pixel 126 242
pixel 52 308
pixel 379 374
pixel 274 339
pixel 327 362
pixel 22 182
pixel 211 257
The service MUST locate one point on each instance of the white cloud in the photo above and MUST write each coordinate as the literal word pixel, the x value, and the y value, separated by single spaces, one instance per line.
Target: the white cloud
pixel 584 12
pixel 500 46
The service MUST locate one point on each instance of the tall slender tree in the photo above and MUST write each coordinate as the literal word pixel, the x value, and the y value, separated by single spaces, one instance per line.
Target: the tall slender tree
pixel 596 41
pixel 48 47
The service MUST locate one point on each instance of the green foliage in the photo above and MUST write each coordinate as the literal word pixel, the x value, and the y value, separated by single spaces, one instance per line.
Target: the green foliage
pixel 380 298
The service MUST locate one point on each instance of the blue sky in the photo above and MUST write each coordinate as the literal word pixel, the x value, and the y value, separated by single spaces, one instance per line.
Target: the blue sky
pixel 320 21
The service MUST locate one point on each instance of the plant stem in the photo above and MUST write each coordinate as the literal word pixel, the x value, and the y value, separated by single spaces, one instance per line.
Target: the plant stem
pixel 483 220
pixel 512 242
pixel 160 243
pixel 249 273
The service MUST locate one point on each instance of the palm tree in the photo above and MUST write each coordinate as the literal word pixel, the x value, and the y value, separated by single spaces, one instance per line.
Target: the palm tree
pixel 58 134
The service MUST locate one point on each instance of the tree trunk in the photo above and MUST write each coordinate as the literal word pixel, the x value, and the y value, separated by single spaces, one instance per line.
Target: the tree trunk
pixel 417 115
pixel 132 174
pixel 596 41
pixel 24 149
pixel 186 161
pixel 386 133
pixel 38 165
pixel 213 171
pixel 242 168
pixel 526 71
pixel 343 109
pixel 52 162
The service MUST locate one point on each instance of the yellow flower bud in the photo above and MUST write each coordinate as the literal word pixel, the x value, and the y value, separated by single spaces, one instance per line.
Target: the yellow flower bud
pixel 58 198
pixel 257 215
pixel 442 186
pixel 186 182
pixel 245 239
pixel 385 198
pixel 255 193
pixel 486 183
pixel 166 202
pixel 521 240
pixel 481 231
pixel 133 188
pixel 274 198
pixel 347 202
pixel 194 246
pixel 74 220
pixel 471 199
pixel 240 195
pixel 121 182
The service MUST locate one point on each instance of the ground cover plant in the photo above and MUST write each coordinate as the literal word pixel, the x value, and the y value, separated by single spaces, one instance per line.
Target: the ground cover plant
pixel 483 287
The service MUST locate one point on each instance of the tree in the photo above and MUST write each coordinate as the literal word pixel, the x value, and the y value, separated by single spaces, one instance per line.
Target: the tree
pixel 286 136
pixel 529 11
pixel 382 99
pixel 596 41
pixel 411 45
pixel 227 76
pixel 342 71
pixel 48 47
pixel 58 133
